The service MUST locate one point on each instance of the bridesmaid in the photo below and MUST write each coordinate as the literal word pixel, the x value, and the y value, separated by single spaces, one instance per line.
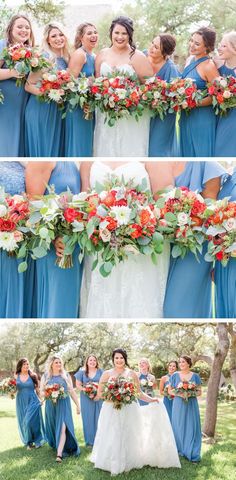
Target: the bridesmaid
pixel 51 280
pixel 28 406
pixel 58 417
pixel 191 298
pixel 164 383
pixel 225 132
pixel 12 179
pixel 146 379
pixel 90 407
pixel 197 130
pixel 78 130
pixel 162 132
pixel 225 277
pixel 44 127
pixel 185 415
pixel 19 30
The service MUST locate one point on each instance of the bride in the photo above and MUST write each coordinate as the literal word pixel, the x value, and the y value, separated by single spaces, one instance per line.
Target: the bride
pixel 133 436
pixel 136 287
pixel 127 137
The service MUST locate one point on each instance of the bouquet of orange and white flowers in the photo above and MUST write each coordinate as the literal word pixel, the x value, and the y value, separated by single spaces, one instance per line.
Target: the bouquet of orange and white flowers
pixel 223 93
pixel 24 59
pixel 155 96
pixel 186 389
pixel 54 392
pixel 119 391
pixel 14 211
pixel 8 387
pixel 183 94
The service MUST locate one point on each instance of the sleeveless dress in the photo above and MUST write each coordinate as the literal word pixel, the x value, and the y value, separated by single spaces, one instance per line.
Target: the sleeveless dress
pixel 162 137
pixel 12 116
pixel 44 126
pixel 148 390
pixel 188 291
pixel 168 402
pixel 133 437
pixel 136 287
pixel 58 290
pixel 12 179
pixel 55 416
pixel 78 130
pixel 225 131
pixel 186 422
pixel 29 413
pixel 90 409
pixel 197 130
pixel 127 138
pixel 225 277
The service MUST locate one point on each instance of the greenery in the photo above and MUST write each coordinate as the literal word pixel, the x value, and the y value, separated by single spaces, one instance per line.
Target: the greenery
pixel 218 460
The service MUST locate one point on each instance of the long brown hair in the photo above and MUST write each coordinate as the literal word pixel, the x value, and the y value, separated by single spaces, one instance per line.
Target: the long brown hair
pixel 10 26
pixel 80 31
pixel 32 374
pixel 86 367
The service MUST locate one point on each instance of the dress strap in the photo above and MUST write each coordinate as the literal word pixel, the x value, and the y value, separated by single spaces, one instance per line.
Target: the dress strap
pixel 193 65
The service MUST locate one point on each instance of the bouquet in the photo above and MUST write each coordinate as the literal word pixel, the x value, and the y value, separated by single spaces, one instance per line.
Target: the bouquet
pixel 117 97
pixel 120 391
pixel 1 97
pixel 183 95
pixel 223 93
pixel 167 394
pixel 8 386
pixel 91 389
pixel 220 230
pixel 14 211
pixel 155 96
pixel 187 390
pixel 182 217
pixel 24 59
pixel 54 392
pixel 80 95
pixel 146 385
pixel 56 86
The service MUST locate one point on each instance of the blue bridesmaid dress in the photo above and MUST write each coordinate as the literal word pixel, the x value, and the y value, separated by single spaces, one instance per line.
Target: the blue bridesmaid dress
pixel 12 179
pixel 29 413
pixel 197 130
pixel 226 131
pixel 78 130
pixel 58 290
pixel 186 422
pixel 12 116
pixel 162 137
pixel 149 391
pixel 188 290
pixel 44 126
pixel 59 414
pixel 90 409
pixel 168 402
pixel 225 277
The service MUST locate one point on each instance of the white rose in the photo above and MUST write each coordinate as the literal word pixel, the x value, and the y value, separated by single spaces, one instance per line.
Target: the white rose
pixel 184 105
pixel 3 210
pixel 34 62
pixel 105 235
pixel 230 224
pixel 79 196
pixel 181 90
pixel 182 218
pixel 223 83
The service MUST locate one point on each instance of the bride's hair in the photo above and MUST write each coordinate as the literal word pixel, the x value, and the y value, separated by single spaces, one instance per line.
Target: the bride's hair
pixel 127 23
pixel 123 353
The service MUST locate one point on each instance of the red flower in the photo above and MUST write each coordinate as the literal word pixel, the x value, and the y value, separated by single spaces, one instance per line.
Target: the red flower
pixel 110 199
pixel 137 231
pixel 220 98
pixel 7 225
pixel 211 90
pixel 70 215
pixel 112 223
pixel 220 255
pixel 28 54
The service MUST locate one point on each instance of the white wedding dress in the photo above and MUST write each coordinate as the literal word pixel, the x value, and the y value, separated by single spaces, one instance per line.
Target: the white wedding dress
pixel 136 287
pixel 128 137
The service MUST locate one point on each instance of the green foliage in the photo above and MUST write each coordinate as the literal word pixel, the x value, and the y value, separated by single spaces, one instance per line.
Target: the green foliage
pixel 45 11
pixel 6 14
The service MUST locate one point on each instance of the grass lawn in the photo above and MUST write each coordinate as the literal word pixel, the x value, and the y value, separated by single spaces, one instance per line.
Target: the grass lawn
pixel 16 463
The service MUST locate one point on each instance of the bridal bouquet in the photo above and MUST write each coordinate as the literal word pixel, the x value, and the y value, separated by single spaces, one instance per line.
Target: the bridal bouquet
pixel 220 229
pixel 57 86
pixel 1 97
pixel 8 386
pixel 183 95
pixel 14 211
pixel 120 391
pixel 117 97
pixel 54 392
pixel 24 59
pixel 182 216
pixel 187 390
pixel 155 97
pixel 91 389
pixel 223 93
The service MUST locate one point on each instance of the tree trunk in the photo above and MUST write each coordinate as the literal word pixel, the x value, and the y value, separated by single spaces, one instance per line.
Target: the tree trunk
pixel 232 353
pixel 214 380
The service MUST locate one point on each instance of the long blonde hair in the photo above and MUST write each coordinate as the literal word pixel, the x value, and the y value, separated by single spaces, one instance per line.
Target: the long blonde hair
pixel 49 373
pixel 230 37
pixel 45 47
pixel 10 26
pixel 80 31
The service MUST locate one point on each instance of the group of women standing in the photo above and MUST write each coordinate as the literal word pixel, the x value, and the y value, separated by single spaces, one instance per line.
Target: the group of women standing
pixel 58 428
pixel 34 129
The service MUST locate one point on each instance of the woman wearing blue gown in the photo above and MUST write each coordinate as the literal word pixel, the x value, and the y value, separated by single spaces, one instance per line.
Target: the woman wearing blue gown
pixel 28 406
pixel 78 130
pixel 225 277
pixel 185 415
pixel 164 383
pixel 44 126
pixel 57 290
pixel 197 130
pixel 146 379
pixel 59 427
pixel 225 132
pixel 19 30
pixel 162 132
pixel 90 407
pixel 188 290
pixel 12 180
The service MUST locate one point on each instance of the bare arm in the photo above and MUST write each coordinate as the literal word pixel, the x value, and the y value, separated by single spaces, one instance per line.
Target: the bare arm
pixel 37 176
pixel 212 188
pixel 76 63
pixel 6 73
pixel 141 66
pixel 209 73
pixel 73 394
pixel 79 385
pixel 143 396
pixel 85 168
pixel 32 81
pixel 161 175
pixel 162 384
